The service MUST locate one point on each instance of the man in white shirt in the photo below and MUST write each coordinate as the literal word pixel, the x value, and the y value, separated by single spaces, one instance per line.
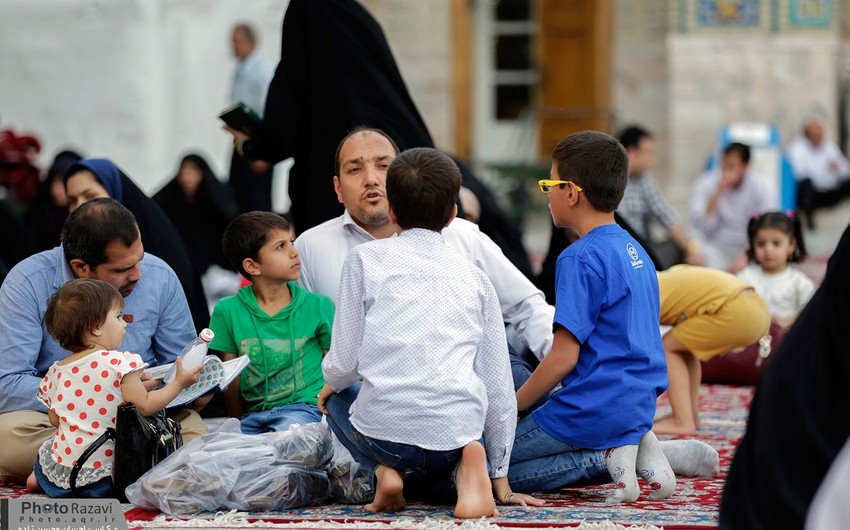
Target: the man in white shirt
pixel 821 169
pixel 421 327
pixel 251 179
pixel 721 206
pixel 362 160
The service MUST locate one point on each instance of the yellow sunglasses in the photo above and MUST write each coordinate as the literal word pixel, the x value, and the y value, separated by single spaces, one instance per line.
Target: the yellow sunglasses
pixel 547 185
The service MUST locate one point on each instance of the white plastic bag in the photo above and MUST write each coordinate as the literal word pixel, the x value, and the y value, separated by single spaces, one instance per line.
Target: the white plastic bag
pixel 230 470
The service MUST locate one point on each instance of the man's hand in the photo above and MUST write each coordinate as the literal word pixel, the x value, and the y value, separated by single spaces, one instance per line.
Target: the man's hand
pixel 259 166
pixel 150 384
pixel 237 135
pixel 201 402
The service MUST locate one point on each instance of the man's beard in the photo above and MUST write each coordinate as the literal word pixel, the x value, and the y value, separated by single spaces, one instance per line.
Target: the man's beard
pixel 373 220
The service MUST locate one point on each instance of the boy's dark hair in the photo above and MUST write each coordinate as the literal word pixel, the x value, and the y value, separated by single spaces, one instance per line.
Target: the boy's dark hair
pixel 597 163
pixel 357 130
pixel 246 235
pixel 631 136
pixel 787 222
pixel 739 149
pixel 77 308
pixel 422 188
pixel 94 226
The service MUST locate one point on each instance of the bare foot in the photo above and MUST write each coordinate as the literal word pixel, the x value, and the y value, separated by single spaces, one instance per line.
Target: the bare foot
pixel 670 426
pixel 474 494
pixel 389 491
pixel 32 484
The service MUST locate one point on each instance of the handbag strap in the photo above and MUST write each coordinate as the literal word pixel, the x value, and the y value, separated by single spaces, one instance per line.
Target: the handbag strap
pixel 95 445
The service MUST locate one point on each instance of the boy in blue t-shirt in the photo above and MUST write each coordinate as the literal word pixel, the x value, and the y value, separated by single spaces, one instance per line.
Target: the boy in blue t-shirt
pixel 607 352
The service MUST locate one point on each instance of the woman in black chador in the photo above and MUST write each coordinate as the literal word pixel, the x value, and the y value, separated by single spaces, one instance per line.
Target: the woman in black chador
pixel 336 73
pixel 200 206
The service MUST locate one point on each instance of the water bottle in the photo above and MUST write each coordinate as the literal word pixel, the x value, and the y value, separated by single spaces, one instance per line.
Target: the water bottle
pixel 193 354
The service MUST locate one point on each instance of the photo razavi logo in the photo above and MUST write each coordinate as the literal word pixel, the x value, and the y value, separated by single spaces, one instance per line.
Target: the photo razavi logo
pixel 635 257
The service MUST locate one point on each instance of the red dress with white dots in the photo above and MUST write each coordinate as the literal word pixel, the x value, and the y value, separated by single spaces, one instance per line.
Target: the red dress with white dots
pixel 85 394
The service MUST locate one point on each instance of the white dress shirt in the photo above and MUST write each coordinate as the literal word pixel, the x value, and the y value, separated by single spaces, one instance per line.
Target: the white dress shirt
pixel 324 248
pixel 825 164
pixel 420 326
pixel 723 234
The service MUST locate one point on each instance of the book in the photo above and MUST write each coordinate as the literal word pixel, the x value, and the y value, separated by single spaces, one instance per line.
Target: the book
pixel 241 117
pixel 215 376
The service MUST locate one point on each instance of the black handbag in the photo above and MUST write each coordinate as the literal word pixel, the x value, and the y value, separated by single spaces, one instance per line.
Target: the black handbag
pixel 141 442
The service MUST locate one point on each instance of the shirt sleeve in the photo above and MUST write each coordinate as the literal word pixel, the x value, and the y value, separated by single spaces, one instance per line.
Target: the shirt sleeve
pixel 175 328
pixel 580 295
pixel 523 305
pixel 340 365
pixel 658 205
pixel 222 326
pixel 805 290
pixel 493 368
pixel 326 321
pixel 45 390
pixel 21 337
pixel 703 191
pixel 125 362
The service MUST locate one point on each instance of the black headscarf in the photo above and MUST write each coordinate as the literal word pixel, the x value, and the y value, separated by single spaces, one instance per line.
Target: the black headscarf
pixel 201 219
pixel 800 415
pixel 336 73
pixel 159 236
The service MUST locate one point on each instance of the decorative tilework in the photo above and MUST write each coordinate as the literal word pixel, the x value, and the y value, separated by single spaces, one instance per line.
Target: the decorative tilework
pixel 810 13
pixel 728 13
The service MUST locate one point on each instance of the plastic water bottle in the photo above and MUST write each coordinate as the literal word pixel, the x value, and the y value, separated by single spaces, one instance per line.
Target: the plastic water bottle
pixel 194 352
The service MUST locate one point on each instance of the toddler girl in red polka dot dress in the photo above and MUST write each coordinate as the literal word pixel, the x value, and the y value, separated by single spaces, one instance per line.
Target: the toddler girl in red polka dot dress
pixel 82 392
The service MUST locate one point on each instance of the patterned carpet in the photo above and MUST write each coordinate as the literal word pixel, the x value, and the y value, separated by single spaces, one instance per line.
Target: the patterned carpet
pixel 694 505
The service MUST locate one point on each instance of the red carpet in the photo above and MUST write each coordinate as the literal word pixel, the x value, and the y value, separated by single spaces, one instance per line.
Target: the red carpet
pixel 694 505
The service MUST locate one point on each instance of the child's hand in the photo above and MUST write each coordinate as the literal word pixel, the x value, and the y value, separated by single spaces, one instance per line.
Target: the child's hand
pixel 186 377
pixel 323 396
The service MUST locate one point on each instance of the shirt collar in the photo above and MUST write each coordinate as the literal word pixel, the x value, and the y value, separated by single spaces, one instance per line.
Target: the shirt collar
pixel 65 275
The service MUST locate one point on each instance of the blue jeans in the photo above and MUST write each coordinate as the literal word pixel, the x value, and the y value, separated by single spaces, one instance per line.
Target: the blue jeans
pixel 280 419
pixel 521 370
pixel 102 489
pixel 426 473
pixel 540 462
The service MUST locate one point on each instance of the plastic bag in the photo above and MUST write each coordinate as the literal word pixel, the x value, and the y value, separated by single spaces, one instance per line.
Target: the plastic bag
pixel 349 482
pixel 227 469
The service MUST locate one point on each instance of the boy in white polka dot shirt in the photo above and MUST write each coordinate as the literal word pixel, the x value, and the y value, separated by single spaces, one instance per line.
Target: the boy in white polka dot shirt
pixel 82 392
pixel 419 329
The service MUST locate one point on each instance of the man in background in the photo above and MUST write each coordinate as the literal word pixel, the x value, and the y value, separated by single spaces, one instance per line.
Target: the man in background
pixel 821 169
pixel 643 203
pixel 251 179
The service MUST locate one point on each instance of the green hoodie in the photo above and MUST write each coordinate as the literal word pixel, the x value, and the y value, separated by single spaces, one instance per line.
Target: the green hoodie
pixel 286 349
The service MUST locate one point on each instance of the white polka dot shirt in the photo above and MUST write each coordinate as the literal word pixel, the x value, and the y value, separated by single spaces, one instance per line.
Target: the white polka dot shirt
pixel 422 328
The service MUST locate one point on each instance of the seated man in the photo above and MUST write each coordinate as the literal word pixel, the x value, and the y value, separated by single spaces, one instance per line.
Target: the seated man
pixel 721 206
pixel 643 201
pixel 821 169
pixel 100 240
pixel 363 158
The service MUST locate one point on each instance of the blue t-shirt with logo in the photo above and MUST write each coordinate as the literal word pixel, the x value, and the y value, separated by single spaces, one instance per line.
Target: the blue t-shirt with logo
pixel 607 296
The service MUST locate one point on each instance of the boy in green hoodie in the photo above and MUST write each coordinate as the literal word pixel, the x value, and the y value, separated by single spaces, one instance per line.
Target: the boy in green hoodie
pixel 283 328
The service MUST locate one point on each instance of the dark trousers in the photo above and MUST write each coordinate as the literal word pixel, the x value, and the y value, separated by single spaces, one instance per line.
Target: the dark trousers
pixel 809 199
pixel 252 191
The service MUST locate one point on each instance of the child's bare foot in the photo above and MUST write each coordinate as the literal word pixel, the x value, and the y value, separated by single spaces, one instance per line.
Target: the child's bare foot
pixel 389 491
pixel 474 494
pixel 671 426
pixel 32 484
